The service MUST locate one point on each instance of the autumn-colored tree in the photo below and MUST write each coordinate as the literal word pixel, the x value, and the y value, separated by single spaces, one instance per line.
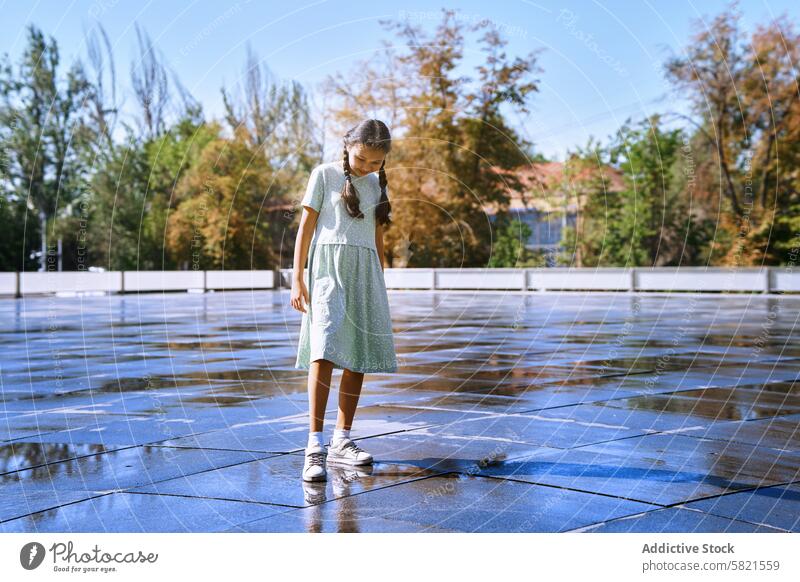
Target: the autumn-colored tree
pixel 744 94
pixel 450 134
pixel 219 203
pixel 277 117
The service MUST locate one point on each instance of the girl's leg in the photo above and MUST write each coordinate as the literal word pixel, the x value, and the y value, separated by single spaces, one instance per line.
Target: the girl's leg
pixel 319 386
pixel 349 391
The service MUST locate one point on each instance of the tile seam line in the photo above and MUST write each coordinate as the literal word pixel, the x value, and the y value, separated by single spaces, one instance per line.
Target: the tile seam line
pixel 551 486
pixel 214 498
pixel 56 507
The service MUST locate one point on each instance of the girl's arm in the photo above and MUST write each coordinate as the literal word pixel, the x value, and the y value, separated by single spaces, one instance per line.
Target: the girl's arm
pixel 379 242
pixel 308 223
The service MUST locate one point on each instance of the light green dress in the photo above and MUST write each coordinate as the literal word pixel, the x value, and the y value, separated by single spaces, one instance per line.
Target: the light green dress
pixel 348 320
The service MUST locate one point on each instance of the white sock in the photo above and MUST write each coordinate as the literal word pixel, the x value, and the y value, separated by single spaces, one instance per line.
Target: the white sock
pixel 314 439
pixel 339 434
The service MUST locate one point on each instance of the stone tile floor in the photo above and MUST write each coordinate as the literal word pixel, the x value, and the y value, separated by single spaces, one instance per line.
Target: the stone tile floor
pixel 510 412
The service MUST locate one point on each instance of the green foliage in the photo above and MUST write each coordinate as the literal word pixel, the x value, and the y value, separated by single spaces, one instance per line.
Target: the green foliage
pixel 117 211
pixel 722 190
pixel 647 215
pixel 648 222
pixel 219 223
pixel 509 249
pixel 41 118
pixel 17 236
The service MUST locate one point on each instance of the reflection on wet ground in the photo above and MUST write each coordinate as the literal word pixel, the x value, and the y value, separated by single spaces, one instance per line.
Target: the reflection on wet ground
pixel 509 412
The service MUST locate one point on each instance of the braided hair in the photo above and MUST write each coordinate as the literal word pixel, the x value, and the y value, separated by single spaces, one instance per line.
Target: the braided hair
pixel 374 134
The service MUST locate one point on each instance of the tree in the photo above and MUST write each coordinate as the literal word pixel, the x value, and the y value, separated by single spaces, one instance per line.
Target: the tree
pixel 133 190
pixel 648 220
pixel 509 249
pixel 102 100
pixel 219 202
pixel 450 136
pixel 150 86
pixel 43 128
pixel 712 73
pixel 586 182
pixel 116 209
pixel 744 94
pixel 276 116
pixel 488 141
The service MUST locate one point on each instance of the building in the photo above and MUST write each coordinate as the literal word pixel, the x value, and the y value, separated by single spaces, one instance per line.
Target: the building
pixel 550 199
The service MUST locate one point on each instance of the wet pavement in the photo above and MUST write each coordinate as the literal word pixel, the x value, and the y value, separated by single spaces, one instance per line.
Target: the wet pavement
pixel 510 412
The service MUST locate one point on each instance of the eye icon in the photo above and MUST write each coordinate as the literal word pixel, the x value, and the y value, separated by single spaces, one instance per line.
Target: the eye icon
pixel 31 555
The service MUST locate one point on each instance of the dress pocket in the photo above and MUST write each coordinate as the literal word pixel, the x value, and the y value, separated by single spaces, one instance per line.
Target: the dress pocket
pixel 320 301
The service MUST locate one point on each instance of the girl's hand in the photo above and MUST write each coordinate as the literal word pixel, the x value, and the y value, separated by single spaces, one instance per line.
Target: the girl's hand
pixel 299 293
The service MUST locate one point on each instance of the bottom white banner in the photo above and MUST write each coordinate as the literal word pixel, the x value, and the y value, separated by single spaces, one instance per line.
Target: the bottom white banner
pixel 610 556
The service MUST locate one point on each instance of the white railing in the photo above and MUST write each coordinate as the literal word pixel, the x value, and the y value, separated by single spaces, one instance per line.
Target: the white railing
pixel 692 279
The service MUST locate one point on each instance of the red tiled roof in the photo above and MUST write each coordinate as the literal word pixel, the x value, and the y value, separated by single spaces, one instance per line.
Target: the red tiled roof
pixel 544 184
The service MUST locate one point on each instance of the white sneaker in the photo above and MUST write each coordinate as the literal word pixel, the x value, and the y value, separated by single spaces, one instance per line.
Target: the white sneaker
pixel 314 465
pixel 348 452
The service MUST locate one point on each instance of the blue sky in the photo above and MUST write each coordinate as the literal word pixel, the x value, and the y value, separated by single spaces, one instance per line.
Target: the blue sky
pixel 602 61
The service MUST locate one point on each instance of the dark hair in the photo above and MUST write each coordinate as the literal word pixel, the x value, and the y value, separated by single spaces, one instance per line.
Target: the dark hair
pixel 374 134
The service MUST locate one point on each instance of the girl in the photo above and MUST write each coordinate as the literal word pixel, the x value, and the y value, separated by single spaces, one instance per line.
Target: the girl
pixel 347 323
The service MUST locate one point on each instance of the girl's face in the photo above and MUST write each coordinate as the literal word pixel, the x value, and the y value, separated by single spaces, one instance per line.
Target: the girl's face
pixel 364 159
